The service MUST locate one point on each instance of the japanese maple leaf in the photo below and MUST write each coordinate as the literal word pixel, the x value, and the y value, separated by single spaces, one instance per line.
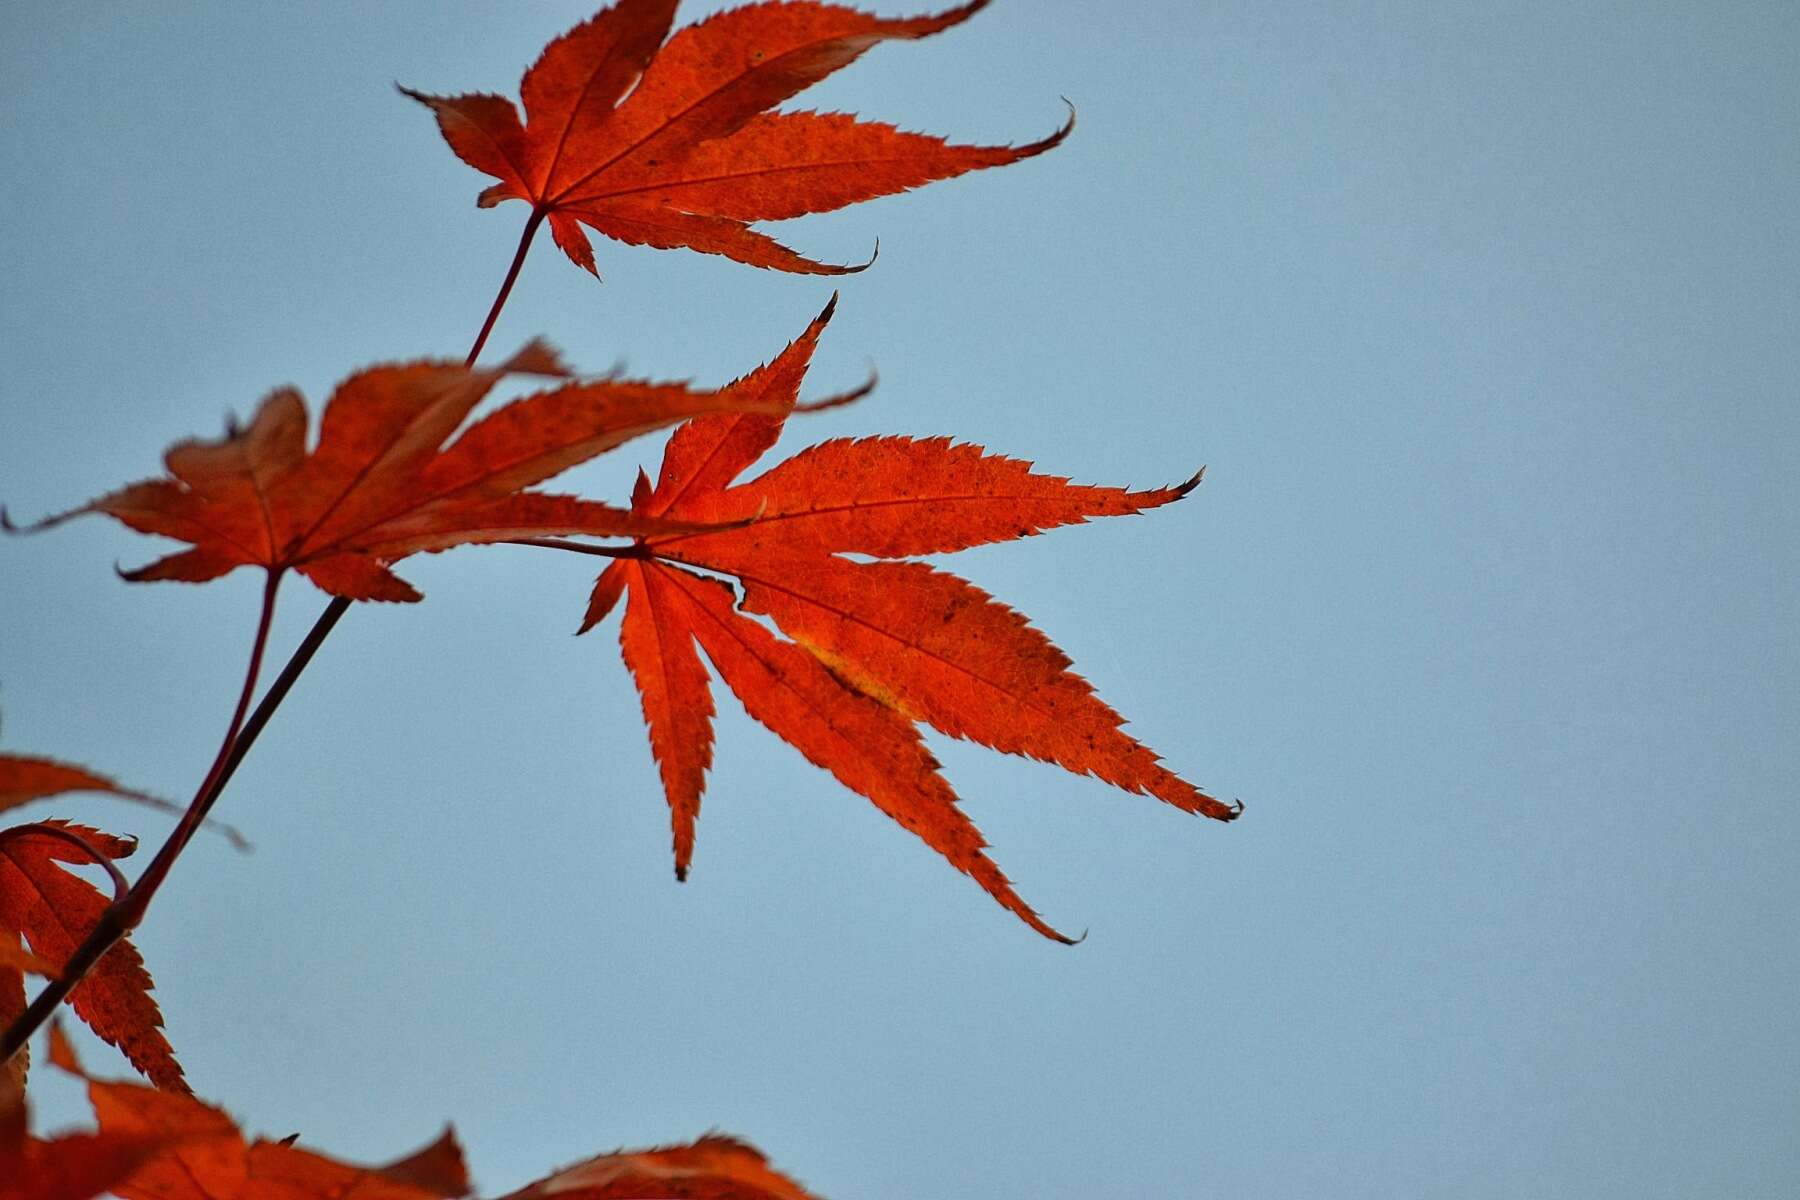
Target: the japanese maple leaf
pixel 154 1145
pixel 670 142
pixel 716 1167
pixel 53 909
pixel 199 1153
pixel 380 484
pixel 876 648
pixel 24 778
pixel 72 1166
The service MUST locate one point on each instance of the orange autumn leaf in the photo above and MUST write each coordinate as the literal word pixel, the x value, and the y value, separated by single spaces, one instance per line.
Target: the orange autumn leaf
pixel 154 1145
pixel 198 1153
pixel 17 957
pixel 72 1166
pixel 668 141
pixel 877 648
pixel 716 1167
pixel 53 909
pixel 24 778
pixel 380 484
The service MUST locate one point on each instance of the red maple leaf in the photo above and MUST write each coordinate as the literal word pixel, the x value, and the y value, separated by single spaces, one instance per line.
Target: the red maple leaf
pixel 25 778
pixel 155 1145
pixel 53 909
pixel 877 648
pixel 715 1167
pixel 380 483
pixel 169 1146
pixel 72 1166
pixel 670 143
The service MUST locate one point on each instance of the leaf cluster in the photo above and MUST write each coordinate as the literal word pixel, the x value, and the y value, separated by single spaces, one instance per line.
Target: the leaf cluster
pixel 803 589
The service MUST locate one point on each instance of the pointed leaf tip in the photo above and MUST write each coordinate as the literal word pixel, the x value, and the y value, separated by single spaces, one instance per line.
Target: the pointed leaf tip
pixel 957 15
pixel 437 1168
pixel 537 357
pixel 842 398
pixel 62 1051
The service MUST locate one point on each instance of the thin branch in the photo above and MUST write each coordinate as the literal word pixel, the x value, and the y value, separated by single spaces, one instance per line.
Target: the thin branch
pixel 284 682
pixel 506 286
pixel 125 912
pixel 208 793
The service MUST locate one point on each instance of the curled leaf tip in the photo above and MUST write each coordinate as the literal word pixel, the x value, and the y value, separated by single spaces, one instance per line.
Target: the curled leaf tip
pixel 229 832
pixel 8 525
pixel 61 831
pixel 1049 142
pixel 847 268
pixel 1068 126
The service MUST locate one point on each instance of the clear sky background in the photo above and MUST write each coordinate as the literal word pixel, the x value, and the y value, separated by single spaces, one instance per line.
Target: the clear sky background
pixel 1482 318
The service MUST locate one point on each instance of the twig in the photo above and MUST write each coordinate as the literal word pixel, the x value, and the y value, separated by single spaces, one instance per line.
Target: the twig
pixel 127 910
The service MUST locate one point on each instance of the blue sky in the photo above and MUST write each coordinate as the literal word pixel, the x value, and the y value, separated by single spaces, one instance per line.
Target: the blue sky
pixel 1481 318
